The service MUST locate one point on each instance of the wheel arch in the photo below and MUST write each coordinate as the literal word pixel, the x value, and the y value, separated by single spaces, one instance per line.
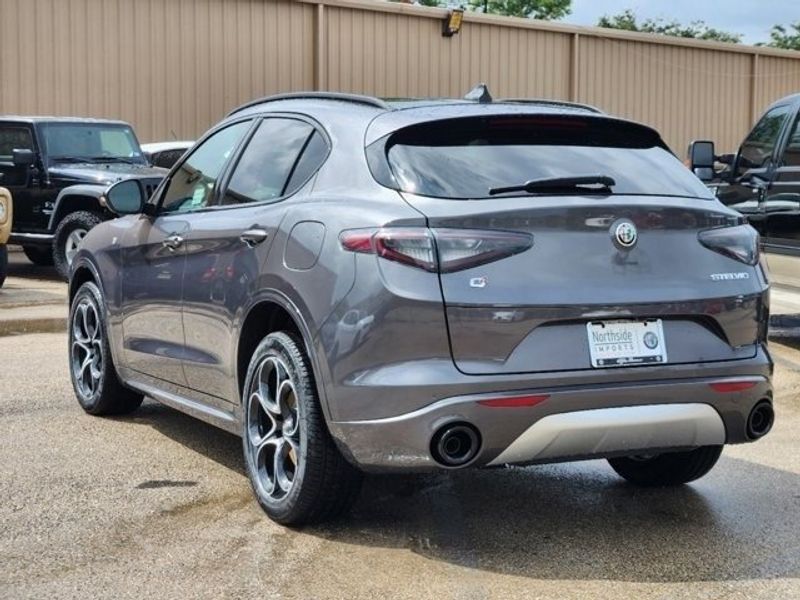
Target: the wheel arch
pixel 75 198
pixel 273 311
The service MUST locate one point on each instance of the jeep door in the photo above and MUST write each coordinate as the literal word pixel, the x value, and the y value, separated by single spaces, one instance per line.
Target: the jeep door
pixel 226 248
pixel 154 259
pixel 753 167
pixel 782 211
pixel 22 182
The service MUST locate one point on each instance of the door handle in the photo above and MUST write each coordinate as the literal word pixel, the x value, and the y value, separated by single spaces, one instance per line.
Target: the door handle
pixel 173 242
pixel 253 237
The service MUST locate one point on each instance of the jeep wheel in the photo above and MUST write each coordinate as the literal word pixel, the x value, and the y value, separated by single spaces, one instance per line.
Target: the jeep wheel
pixel 69 234
pixel 3 263
pixel 39 255
pixel 297 472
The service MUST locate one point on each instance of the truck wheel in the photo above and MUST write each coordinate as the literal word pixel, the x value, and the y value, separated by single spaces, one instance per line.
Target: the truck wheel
pixel 69 233
pixel 3 263
pixel 670 468
pixel 39 255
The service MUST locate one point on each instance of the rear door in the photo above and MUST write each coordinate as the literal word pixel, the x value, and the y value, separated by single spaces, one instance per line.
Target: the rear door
pixel 227 246
pixel 631 254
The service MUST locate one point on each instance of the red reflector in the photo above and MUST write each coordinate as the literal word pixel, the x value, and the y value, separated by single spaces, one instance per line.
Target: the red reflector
pixel 732 386
pixel 514 401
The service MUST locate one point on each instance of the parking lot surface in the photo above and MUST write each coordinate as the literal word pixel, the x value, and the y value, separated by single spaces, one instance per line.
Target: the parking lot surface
pixel 157 505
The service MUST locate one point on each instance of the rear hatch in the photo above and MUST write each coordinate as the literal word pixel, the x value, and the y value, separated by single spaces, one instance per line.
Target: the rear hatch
pixel 570 274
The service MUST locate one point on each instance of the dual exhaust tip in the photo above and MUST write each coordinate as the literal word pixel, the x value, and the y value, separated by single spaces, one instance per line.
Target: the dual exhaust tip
pixel 455 445
pixel 760 420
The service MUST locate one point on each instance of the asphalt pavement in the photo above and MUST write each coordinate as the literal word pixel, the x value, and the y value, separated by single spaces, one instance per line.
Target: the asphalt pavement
pixel 156 505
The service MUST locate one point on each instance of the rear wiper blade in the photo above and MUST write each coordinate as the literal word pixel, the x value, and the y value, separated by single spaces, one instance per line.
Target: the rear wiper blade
pixel 558 184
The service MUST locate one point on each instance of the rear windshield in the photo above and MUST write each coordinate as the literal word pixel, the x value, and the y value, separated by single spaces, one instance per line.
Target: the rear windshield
pixel 465 158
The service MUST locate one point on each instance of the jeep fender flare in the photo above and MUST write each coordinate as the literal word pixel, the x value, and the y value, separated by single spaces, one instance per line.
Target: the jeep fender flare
pixel 83 190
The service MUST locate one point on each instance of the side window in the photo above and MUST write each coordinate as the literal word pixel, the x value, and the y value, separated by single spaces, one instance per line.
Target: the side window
pixel 13 137
pixel 312 158
pixel 193 185
pixel 791 156
pixel 757 149
pixel 268 164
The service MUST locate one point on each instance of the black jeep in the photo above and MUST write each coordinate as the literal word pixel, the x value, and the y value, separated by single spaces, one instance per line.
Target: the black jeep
pixel 57 170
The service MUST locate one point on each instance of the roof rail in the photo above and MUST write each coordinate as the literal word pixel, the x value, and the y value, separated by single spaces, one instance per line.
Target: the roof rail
pixel 355 98
pixel 563 103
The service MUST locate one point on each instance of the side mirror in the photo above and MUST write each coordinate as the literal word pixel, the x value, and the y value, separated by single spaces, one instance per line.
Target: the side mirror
pixel 126 197
pixel 701 159
pixel 23 157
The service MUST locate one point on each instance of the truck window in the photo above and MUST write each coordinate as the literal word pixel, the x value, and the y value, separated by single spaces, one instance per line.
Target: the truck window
pixel 757 149
pixel 791 156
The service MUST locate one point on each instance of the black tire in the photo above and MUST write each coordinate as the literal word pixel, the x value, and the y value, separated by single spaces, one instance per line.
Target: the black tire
pixel 81 221
pixel 107 395
pixel 322 484
pixel 41 256
pixel 671 468
pixel 3 263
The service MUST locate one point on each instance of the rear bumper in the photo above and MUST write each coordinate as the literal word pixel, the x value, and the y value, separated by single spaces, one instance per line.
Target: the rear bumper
pixel 574 422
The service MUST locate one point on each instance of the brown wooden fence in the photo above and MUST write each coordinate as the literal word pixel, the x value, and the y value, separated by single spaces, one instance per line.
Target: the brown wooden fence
pixel 174 67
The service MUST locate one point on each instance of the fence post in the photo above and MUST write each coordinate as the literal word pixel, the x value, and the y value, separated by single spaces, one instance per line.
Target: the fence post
pixel 574 91
pixel 754 74
pixel 320 79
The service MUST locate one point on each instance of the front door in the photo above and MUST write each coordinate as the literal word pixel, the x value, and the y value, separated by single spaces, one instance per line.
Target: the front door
pixel 753 168
pixel 782 210
pixel 154 259
pixel 227 246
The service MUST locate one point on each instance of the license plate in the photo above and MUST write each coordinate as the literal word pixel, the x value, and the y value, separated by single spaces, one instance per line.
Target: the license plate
pixel 626 343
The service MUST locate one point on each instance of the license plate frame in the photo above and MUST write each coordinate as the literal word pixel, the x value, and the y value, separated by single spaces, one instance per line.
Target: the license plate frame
pixel 628 343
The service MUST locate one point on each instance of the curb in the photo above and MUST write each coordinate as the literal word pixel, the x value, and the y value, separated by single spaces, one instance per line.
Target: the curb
pixel 23 326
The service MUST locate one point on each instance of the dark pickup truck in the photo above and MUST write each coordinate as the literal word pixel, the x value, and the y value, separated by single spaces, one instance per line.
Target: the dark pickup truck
pixel 762 181
pixel 57 170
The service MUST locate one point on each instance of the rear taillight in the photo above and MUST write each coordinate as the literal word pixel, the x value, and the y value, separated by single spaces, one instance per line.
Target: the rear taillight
pixel 436 250
pixel 739 243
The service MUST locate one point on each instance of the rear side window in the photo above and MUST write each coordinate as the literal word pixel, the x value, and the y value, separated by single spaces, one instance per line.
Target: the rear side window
pixel 465 158
pixel 791 156
pixel 281 156
pixel 14 137
pixel 757 149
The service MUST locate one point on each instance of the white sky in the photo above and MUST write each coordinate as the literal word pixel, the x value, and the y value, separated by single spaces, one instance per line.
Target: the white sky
pixel 752 18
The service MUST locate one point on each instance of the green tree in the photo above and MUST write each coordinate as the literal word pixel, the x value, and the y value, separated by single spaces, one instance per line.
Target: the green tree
pixel 627 21
pixel 530 9
pixel 784 37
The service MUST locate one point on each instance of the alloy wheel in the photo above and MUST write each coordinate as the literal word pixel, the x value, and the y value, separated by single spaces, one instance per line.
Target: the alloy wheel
pixel 72 243
pixel 273 429
pixel 87 349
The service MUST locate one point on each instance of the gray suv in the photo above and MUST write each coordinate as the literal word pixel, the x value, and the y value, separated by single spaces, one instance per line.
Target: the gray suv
pixel 357 285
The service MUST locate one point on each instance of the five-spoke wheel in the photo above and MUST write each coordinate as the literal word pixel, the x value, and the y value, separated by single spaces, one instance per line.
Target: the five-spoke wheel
pixel 94 378
pixel 297 472
pixel 273 425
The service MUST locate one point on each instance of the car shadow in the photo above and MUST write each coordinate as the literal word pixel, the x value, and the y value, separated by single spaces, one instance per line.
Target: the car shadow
pixel 575 521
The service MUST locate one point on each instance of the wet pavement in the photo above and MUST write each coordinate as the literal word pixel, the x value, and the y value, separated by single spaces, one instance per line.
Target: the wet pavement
pixel 157 505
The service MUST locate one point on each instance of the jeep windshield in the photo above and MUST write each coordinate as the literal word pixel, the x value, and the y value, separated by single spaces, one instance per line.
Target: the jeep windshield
pixel 468 158
pixel 91 142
